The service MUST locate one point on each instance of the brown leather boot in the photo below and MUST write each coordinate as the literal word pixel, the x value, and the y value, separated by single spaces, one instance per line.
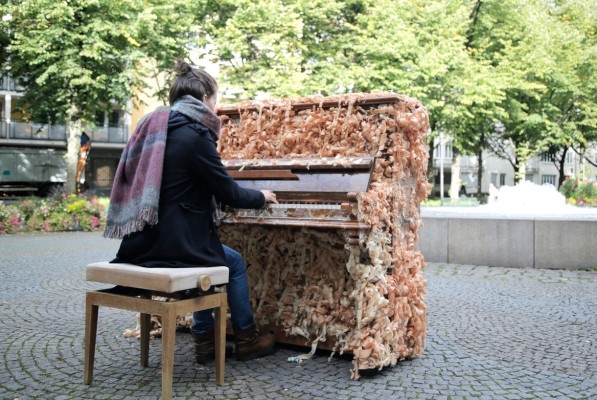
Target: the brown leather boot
pixel 205 346
pixel 250 344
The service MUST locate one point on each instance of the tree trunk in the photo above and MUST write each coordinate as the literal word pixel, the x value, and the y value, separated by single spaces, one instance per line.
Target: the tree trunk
pixel 455 169
pixel 73 145
pixel 520 169
pixel 479 170
pixel 430 170
pixel 561 165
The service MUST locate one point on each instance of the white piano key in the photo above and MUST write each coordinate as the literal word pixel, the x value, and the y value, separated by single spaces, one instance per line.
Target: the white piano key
pixel 309 206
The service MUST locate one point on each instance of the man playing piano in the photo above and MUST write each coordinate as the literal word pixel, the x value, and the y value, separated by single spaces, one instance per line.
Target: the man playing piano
pixel 171 164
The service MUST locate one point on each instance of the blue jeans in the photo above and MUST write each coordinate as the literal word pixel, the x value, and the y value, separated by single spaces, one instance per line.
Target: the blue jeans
pixel 238 297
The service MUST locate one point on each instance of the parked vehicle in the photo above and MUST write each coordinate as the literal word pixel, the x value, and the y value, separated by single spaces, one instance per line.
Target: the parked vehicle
pixel 39 171
pixel 31 171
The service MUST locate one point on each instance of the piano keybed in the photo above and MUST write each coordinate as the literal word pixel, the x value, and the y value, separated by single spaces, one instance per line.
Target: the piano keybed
pixel 321 215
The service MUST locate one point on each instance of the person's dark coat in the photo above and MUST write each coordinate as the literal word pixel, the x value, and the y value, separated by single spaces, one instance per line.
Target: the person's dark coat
pixel 193 173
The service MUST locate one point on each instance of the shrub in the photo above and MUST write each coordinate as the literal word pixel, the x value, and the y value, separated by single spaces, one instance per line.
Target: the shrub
pixel 580 193
pixel 10 219
pixel 57 213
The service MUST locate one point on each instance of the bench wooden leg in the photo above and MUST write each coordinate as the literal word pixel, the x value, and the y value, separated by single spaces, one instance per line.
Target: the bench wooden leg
pixel 220 331
pixel 91 312
pixel 168 311
pixel 145 325
pixel 168 341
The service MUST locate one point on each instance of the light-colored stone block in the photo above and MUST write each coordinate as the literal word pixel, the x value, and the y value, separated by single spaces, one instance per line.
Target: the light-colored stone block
pixel 494 242
pixel 565 244
pixel 433 240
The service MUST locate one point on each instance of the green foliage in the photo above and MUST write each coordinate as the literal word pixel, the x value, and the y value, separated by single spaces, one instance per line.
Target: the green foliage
pixel 77 58
pixel 497 74
pixel 581 193
pixel 257 41
pixel 75 207
pixel 544 54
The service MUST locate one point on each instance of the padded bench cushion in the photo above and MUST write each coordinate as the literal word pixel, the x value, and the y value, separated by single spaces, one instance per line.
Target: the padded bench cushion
pixel 165 280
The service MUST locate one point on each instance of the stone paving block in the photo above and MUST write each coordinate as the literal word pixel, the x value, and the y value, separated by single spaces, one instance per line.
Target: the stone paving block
pixel 493 332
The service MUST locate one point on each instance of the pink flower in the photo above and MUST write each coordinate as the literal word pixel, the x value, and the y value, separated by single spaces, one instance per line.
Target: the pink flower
pixel 15 221
pixel 95 222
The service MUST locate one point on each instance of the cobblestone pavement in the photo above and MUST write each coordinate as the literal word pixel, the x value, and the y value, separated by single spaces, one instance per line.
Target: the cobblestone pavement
pixel 494 333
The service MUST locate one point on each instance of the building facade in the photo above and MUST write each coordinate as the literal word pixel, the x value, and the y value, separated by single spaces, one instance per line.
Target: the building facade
pixel 499 172
pixel 39 147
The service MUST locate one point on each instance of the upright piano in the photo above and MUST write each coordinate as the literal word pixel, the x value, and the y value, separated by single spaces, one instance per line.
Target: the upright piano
pixel 334 264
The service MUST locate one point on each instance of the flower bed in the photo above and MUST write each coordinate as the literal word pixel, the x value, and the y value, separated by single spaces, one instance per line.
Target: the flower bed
pixel 58 213
pixel 580 193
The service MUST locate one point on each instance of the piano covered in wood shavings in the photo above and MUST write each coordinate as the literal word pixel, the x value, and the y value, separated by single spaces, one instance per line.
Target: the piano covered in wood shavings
pixel 334 264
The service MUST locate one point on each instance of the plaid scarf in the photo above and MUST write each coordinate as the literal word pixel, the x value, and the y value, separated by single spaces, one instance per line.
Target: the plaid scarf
pixel 135 193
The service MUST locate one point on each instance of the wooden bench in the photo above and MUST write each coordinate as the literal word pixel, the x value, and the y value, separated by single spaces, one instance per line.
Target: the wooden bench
pixel 186 287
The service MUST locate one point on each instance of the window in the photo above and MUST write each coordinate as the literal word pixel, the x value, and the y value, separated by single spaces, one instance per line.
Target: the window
pixel 114 118
pixel 569 157
pixel 100 118
pixel 547 157
pixel 494 179
pixel 551 179
pixel 111 118
pixel 468 179
pixel 528 177
pixel 502 179
pixel 447 151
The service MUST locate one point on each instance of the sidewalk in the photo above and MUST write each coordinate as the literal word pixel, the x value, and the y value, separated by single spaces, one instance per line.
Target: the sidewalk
pixel 494 333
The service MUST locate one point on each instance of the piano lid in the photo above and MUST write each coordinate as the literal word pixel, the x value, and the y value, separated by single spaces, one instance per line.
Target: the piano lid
pixel 363 100
pixel 327 177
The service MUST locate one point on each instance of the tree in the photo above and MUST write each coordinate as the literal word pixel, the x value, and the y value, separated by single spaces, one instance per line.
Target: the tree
pixel 257 43
pixel 540 58
pixel 424 49
pixel 572 99
pixel 412 47
pixel 485 69
pixel 77 57
pixel 280 48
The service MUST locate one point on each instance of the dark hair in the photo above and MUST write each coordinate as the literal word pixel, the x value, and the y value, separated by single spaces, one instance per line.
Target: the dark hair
pixel 192 81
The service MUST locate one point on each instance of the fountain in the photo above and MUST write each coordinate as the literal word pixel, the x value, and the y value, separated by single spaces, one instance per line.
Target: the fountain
pixel 526 225
pixel 525 199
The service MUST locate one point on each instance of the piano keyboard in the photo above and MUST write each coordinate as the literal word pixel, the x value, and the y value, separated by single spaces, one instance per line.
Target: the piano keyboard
pixel 308 206
pixel 323 215
pixel 320 193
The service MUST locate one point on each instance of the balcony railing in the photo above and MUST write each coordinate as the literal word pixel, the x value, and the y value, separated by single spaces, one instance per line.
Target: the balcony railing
pixel 532 165
pixel 7 83
pixel 42 132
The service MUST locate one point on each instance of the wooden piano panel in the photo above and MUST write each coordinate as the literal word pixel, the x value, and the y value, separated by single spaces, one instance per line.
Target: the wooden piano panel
pixel 321 182
pixel 320 177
